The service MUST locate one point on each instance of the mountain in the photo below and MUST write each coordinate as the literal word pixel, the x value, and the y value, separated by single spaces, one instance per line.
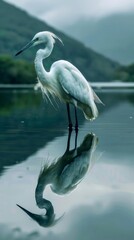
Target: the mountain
pixel 18 27
pixel 112 36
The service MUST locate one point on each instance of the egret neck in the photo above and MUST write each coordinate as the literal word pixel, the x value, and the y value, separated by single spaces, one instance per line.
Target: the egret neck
pixel 41 54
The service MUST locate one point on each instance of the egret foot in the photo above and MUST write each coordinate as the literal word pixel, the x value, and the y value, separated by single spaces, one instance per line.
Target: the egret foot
pixel 70 127
pixel 76 128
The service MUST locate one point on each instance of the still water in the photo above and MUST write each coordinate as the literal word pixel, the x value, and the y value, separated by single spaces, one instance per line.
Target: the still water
pixel 56 185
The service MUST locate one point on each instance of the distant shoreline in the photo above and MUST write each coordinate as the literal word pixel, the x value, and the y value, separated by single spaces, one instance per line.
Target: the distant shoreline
pixel 17 86
pixel 96 85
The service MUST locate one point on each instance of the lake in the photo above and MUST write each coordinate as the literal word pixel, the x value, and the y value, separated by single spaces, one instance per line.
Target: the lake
pixel 55 184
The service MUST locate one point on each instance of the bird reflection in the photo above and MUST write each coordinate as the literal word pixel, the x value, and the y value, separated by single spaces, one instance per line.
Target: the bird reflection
pixel 63 175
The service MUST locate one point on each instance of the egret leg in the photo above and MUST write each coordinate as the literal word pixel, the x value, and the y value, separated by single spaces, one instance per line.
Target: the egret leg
pixel 76 119
pixel 69 116
pixel 68 140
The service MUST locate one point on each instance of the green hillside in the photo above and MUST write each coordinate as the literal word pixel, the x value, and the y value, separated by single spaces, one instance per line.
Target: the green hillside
pixel 17 28
pixel 125 73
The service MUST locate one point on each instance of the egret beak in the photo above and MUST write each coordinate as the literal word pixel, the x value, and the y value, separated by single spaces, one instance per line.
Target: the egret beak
pixel 25 47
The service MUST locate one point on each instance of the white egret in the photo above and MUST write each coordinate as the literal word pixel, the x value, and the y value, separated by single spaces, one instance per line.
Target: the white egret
pixel 63 80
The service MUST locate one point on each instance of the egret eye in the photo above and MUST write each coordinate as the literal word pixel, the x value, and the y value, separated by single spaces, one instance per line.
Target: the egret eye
pixel 37 39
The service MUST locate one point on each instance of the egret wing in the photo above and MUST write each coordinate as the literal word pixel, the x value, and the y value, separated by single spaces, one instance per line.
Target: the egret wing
pixel 75 85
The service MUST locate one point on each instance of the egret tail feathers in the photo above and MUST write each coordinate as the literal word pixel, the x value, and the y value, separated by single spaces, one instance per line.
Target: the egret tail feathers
pixel 96 98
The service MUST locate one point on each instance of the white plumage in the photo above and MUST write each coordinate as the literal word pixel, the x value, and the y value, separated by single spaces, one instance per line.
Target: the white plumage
pixel 63 80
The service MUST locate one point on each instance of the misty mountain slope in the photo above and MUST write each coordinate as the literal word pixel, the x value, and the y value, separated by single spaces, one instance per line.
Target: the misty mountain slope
pixel 17 28
pixel 112 36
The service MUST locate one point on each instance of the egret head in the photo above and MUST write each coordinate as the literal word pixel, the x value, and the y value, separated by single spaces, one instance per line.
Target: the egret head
pixel 42 37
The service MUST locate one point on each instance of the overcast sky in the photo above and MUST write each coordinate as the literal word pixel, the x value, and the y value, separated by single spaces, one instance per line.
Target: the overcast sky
pixel 59 13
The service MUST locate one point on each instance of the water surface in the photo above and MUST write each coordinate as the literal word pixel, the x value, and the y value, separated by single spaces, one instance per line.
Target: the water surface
pixel 71 188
